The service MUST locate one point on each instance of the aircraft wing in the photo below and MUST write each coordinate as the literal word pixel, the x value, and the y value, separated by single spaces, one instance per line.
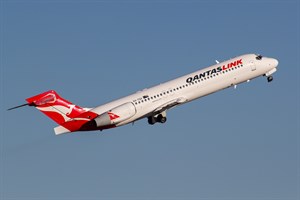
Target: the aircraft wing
pixel 169 105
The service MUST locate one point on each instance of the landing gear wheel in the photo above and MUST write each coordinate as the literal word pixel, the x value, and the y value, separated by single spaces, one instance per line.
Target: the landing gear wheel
pixel 151 120
pixel 161 119
pixel 270 78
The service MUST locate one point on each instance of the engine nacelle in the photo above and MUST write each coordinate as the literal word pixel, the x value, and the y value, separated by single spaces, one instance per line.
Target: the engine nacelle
pixel 116 115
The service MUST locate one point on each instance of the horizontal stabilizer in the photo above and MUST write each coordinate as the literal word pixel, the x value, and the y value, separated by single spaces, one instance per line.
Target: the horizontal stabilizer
pixel 60 130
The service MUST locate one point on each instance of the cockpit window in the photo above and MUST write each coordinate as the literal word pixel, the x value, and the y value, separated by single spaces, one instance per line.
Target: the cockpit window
pixel 258 57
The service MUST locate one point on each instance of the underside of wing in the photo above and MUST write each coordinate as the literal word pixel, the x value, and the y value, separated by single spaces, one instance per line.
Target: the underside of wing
pixel 169 105
pixel 159 114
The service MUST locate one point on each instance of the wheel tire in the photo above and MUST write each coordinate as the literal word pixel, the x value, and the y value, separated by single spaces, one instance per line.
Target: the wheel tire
pixel 151 120
pixel 161 119
pixel 270 78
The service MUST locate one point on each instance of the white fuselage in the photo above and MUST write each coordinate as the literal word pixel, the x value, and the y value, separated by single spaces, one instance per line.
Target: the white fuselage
pixel 186 88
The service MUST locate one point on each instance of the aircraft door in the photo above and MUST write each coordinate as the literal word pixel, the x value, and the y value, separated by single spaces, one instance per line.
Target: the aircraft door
pixel 252 65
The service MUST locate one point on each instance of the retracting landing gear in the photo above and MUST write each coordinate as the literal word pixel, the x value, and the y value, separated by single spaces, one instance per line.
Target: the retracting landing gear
pixel 270 78
pixel 159 118
pixel 268 74
pixel 151 120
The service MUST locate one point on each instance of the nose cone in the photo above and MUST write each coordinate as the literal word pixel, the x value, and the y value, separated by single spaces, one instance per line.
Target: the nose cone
pixel 271 62
pixel 274 62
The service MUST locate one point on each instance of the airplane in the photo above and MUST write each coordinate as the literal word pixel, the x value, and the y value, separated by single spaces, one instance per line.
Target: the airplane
pixel 152 103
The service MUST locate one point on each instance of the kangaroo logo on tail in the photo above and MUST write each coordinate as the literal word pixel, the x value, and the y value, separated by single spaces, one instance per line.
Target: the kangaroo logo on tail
pixel 55 107
pixel 70 116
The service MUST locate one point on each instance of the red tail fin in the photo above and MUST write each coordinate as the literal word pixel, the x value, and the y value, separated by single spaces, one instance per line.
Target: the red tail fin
pixel 55 107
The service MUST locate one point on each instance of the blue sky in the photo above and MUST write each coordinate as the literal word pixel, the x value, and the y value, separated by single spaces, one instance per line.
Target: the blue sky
pixel 236 144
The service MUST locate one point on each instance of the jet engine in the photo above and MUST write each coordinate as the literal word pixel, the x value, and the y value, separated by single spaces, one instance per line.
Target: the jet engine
pixel 116 115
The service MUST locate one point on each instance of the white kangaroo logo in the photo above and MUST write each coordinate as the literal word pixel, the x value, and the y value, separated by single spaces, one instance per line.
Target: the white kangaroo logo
pixel 62 110
pixel 69 111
